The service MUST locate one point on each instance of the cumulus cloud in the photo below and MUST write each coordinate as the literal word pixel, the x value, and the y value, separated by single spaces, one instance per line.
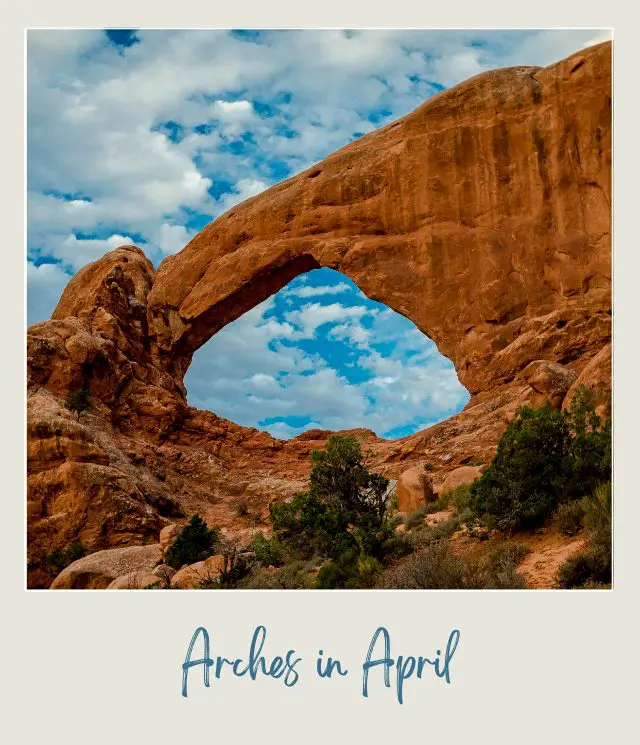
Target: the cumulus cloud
pixel 46 283
pixel 179 127
pixel 362 365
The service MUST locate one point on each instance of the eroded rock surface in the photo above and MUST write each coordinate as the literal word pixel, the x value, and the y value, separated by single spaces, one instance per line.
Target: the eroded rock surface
pixel 483 216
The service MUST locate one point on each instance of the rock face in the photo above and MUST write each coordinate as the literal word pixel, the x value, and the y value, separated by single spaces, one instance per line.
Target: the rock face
pixel 414 489
pixel 483 216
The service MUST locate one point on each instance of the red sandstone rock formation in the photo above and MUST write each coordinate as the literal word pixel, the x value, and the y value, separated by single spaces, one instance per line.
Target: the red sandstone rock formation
pixel 484 216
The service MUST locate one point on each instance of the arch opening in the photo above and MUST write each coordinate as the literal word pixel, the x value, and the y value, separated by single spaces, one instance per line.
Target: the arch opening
pixel 319 354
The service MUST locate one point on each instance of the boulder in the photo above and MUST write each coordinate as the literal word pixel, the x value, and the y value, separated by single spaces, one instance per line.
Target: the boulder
pixel 596 376
pixel 550 381
pixel 414 489
pixel 164 572
pixel 462 475
pixel 134 581
pixel 98 570
pixel 168 536
pixel 192 576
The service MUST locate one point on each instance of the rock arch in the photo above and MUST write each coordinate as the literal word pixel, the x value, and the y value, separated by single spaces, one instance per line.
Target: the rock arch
pixel 483 216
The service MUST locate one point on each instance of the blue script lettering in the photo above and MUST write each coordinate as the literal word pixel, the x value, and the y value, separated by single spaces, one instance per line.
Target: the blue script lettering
pixel 330 665
pixel 406 666
pixel 277 668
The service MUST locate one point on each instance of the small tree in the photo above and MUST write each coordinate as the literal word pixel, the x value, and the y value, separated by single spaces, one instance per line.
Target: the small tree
pixel 344 509
pixel 78 401
pixel 194 543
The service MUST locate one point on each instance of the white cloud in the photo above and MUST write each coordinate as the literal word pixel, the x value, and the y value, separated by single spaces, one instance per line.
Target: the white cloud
pixel 97 114
pixel 249 372
pixel 75 252
pixel 46 283
pixel 317 291
pixel 310 317
pixel 173 238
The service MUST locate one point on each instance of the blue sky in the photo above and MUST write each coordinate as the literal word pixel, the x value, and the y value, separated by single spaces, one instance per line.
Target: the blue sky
pixel 146 136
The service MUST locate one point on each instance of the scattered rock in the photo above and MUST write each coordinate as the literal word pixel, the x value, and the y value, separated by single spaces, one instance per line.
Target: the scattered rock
pixel 134 581
pixel 596 376
pixel 462 475
pixel 164 572
pixel 550 381
pixel 168 536
pixel 193 576
pixel 414 489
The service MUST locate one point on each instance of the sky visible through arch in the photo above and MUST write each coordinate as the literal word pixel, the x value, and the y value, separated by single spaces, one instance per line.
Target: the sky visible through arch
pixel 320 354
pixel 144 137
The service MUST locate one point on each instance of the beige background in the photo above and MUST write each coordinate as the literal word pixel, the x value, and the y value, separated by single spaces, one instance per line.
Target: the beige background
pixel 536 667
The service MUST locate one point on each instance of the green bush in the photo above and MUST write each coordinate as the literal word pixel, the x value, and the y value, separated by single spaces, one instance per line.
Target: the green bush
pixel 425 535
pixel 194 543
pixel 569 516
pixel 61 558
pixel 78 401
pixel 268 552
pixel 341 572
pixel 597 510
pixel 460 497
pixel 592 567
pixel 544 458
pixel 416 517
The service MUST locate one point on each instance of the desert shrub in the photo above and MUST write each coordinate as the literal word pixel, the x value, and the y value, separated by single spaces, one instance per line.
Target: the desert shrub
pixel 61 558
pixel 597 510
pixel 593 565
pixel 369 568
pixel 569 517
pixel 296 575
pixel 235 571
pixel 396 546
pixel 544 458
pixel 574 572
pixel 425 535
pixel 268 552
pixel 78 401
pixel 392 505
pixel 434 567
pixel 341 572
pixel 501 566
pixel 507 554
pixel 42 429
pixel 460 497
pixel 194 543
pixel 416 517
